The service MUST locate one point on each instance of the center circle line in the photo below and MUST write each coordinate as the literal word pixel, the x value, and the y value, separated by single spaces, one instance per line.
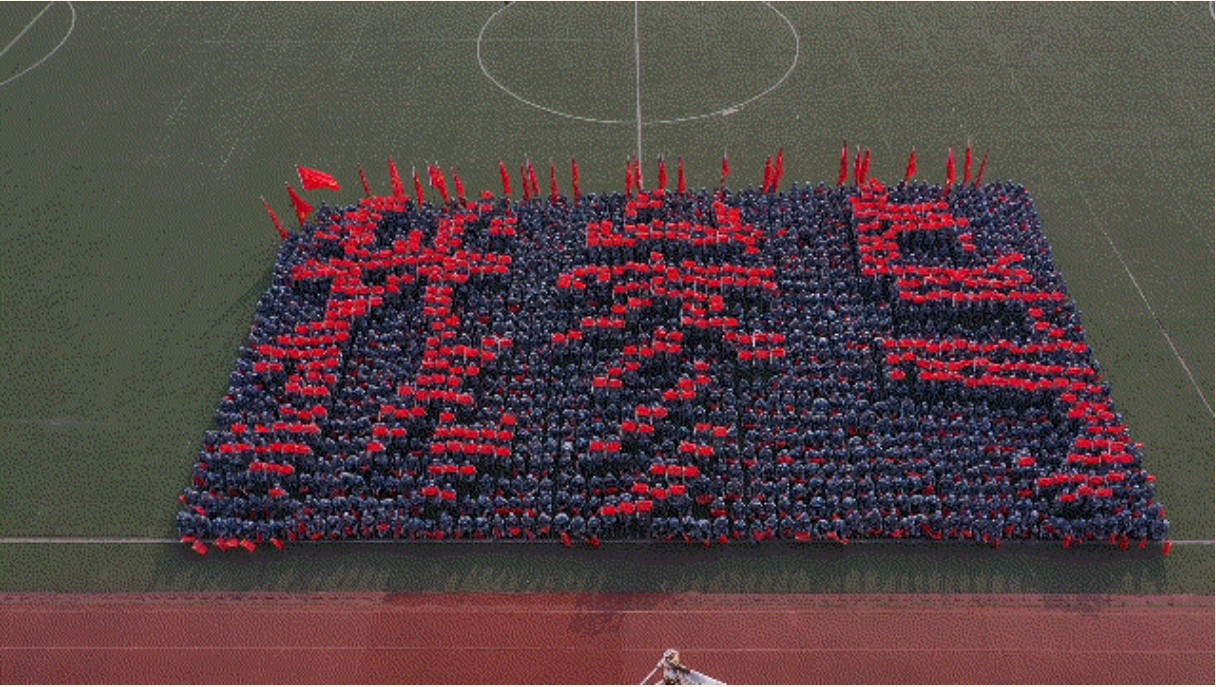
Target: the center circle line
pixel 723 112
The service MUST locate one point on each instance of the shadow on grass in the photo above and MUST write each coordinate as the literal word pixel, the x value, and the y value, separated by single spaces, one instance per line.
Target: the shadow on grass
pixel 658 568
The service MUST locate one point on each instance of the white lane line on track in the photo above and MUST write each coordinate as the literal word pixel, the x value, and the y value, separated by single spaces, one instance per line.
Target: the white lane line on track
pixel 549 648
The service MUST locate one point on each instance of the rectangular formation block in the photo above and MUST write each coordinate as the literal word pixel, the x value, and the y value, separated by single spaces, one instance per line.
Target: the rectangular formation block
pixel 817 365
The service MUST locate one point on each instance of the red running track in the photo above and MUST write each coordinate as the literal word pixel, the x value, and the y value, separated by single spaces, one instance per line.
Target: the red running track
pixel 609 638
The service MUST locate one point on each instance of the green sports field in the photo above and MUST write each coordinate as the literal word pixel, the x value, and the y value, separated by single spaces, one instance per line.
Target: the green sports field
pixel 135 140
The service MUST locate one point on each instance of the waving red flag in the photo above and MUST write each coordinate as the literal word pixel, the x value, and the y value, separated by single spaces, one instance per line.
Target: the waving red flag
pixel 725 169
pixel 313 179
pixel 979 178
pixel 951 173
pixel 844 164
pixel 275 218
pixel 553 194
pixel 398 186
pixel 857 167
pixel 574 177
pixel 911 171
pixel 367 188
pixel 780 168
pixel 441 182
pixel 865 167
pixel 418 192
pixel 629 180
pixel 506 179
pixel 681 183
pixel 460 195
pixel 967 165
pixel 662 174
pixel 523 175
pixel 303 208
pixel 637 174
pixel 533 181
pixel 768 175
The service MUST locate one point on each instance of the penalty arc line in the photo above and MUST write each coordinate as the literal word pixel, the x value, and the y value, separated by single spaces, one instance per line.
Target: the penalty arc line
pixel 32 67
pixel 27 28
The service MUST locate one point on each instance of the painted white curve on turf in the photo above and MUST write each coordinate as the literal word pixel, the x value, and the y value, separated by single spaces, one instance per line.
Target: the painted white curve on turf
pixel 32 67
pixel 722 112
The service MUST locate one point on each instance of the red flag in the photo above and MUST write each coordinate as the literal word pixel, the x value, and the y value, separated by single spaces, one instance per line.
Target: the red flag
pixel 460 195
pixel 911 172
pixel 682 184
pixel 768 174
pixel 857 167
pixel 441 182
pixel 780 169
pixel 418 192
pixel 275 218
pixel 398 186
pixel 313 179
pixel 979 178
pixel 662 174
pixel 967 165
pixel 367 188
pixel 637 174
pixel 523 175
pixel 532 180
pixel 951 173
pixel 506 179
pixel 725 169
pixel 628 178
pixel 574 177
pixel 865 167
pixel 844 164
pixel 303 209
pixel 553 194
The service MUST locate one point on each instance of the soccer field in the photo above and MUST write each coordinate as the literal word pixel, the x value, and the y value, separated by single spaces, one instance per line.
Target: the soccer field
pixel 136 139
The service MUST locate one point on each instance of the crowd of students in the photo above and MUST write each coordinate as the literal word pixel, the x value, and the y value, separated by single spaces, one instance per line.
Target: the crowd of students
pixel 822 364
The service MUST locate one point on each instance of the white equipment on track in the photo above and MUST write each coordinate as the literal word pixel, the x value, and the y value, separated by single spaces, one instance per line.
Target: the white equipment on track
pixel 672 672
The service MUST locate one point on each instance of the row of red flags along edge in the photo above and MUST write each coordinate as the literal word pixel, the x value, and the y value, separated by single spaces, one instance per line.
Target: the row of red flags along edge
pixel 774 172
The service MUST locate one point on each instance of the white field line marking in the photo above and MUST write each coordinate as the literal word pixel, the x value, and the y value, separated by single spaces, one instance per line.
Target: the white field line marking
pixel 723 112
pixel 32 67
pixel 1101 228
pixel 1160 325
pixel 27 28
pixel 525 542
pixel 249 112
pixel 637 82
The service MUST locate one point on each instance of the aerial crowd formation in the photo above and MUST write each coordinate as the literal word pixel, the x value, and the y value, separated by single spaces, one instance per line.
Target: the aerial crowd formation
pixel 822 364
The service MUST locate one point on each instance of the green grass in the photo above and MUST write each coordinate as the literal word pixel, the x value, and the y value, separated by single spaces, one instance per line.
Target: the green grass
pixel 135 246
